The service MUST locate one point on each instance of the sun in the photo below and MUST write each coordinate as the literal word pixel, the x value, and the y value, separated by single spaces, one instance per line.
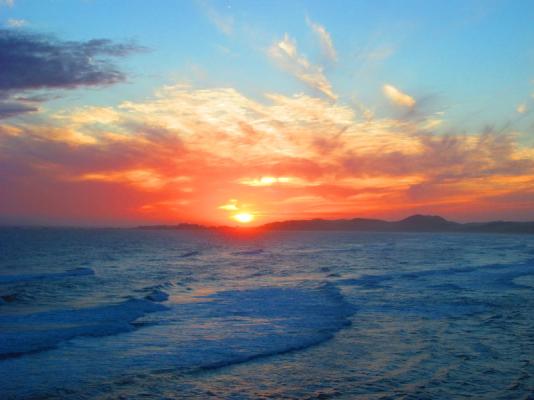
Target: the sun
pixel 243 217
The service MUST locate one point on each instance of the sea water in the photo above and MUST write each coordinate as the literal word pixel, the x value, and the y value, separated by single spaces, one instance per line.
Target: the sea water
pixel 127 314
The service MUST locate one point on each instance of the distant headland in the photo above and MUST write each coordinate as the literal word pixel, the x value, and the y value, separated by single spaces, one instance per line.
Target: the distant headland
pixel 414 223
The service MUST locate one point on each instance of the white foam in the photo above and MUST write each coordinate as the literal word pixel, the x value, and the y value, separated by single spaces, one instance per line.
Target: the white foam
pixel 226 328
pixel 34 332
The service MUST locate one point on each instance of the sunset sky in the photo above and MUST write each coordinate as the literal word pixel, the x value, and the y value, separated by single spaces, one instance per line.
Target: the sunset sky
pixel 226 112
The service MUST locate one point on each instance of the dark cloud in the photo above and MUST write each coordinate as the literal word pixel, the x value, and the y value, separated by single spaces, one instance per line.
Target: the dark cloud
pixel 39 98
pixel 10 109
pixel 35 61
pixel 32 61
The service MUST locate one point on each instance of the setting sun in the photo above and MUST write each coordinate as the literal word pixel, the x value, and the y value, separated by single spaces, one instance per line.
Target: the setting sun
pixel 233 180
pixel 243 218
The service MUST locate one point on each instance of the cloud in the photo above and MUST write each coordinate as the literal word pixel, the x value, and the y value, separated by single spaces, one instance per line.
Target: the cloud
pixel 265 181
pixel 521 108
pixel 16 23
pixel 231 205
pixel 88 115
pixel 145 179
pixel 8 3
pixel 398 97
pixel 32 61
pixel 223 22
pixel 183 153
pixel 10 109
pixel 325 40
pixel 286 54
pixel 35 61
pixel 377 54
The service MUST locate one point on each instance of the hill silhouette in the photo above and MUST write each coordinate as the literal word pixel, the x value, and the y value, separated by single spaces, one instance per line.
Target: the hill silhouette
pixel 414 223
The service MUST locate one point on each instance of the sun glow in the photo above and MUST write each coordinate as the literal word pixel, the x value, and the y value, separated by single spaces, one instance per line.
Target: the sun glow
pixel 243 217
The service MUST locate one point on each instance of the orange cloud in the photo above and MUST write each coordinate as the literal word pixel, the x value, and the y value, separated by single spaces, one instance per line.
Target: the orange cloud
pixel 142 178
pixel 398 97
pixel 181 155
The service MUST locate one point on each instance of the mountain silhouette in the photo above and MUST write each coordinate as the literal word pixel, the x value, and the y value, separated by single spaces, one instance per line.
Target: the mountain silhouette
pixel 414 223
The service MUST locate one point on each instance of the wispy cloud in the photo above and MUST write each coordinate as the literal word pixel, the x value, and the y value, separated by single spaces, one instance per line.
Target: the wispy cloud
pixel 223 22
pixel 16 23
pixel 398 97
pixel 231 205
pixel 286 54
pixel 265 181
pixel 377 54
pixel 521 108
pixel 325 40
pixel 145 179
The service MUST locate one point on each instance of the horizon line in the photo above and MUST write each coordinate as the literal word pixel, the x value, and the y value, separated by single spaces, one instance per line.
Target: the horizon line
pixel 242 226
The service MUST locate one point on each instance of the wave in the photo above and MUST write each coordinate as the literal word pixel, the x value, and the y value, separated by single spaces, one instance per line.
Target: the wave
pixel 21 334
pixel 8 298
pixel 303 317
pixel 157 295
pixel 189 254
pixel 220 330
pixel 490 275
pixel 49 276
pixel 248 252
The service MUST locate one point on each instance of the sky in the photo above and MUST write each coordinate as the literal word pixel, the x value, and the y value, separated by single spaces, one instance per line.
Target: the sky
pixel 131 112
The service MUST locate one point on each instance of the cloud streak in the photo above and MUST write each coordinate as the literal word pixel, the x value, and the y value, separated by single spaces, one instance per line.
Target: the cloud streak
pixel 397 97
pixel 10 109
pixel 325 40
pixel 287 56
pixel 223 22
pixel 16 23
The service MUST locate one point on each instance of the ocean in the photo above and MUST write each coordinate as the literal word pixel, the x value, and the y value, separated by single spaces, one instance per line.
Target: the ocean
pixel 163 314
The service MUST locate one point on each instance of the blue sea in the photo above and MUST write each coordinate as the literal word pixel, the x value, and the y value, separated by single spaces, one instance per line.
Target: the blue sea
pixel 161 314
